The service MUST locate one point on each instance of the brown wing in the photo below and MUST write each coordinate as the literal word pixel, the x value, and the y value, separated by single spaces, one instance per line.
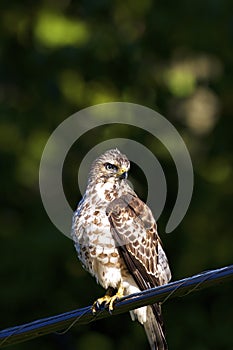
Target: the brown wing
pixel 134 228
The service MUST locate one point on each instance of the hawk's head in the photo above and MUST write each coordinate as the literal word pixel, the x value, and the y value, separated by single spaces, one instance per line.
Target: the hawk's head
pixel 111 164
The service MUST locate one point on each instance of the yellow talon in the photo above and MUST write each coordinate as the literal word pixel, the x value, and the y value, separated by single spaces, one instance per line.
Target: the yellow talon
pixel 108 299
pixel 119 294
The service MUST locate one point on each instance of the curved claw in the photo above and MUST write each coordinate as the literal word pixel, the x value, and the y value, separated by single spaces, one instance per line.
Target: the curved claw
pixel 108 299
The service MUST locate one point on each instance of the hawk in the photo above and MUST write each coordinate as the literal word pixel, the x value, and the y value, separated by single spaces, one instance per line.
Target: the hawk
pixel 116 239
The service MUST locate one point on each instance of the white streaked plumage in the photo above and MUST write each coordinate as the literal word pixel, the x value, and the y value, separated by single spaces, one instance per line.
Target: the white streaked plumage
pixel 116 239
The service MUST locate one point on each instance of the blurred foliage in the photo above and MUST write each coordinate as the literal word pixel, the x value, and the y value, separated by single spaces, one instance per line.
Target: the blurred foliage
pixel 58 57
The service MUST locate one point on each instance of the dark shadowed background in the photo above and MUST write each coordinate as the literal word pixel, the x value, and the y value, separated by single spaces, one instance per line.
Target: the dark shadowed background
pixel 58 57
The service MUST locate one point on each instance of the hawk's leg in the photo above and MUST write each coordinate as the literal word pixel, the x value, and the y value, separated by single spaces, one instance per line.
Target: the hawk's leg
pixel 109 298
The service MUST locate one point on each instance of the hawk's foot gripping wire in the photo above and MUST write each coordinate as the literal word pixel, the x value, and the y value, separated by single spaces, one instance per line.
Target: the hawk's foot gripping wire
pixel 108 299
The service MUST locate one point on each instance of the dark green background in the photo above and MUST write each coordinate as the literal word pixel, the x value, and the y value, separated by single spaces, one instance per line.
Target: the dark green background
pixel 58 57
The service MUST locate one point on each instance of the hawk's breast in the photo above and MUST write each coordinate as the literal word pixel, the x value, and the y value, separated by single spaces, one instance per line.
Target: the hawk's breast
pixel 94 243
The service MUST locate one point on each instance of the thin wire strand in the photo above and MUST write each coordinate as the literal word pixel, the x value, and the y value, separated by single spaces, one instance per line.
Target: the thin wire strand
pixel 38 328
pixel 72 324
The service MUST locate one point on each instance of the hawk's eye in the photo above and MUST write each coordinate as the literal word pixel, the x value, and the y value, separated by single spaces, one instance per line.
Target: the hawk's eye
pixel 109 166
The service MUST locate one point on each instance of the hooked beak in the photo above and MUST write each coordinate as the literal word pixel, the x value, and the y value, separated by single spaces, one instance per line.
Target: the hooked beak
pixel 122 173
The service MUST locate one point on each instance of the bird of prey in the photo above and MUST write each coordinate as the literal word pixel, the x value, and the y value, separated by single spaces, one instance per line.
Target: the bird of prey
pixel 116 239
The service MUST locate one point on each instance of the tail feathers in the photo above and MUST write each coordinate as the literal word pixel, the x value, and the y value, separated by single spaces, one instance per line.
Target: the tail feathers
pixel 154 330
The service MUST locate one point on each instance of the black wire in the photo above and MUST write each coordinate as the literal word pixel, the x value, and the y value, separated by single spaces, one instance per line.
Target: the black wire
pixel 67 320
